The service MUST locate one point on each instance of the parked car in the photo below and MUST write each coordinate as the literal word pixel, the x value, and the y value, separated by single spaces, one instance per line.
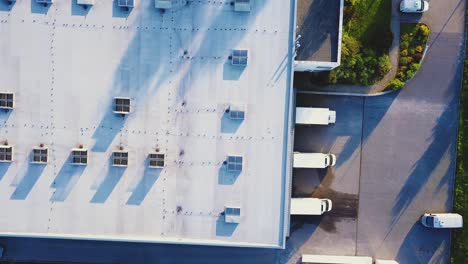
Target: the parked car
pixel 442 220
pixel 414 6
pixel 1 251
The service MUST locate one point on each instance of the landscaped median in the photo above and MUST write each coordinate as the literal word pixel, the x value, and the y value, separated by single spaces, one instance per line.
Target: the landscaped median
pixel 413 40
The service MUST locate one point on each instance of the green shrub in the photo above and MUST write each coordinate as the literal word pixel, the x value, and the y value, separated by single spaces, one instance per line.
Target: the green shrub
pixel 411 52
pixel 384 65
pixel 419 49
pixel 350 46
pixel 405 37
pixel 404 60
pixel 404 45
pixel 332 77
pixel 400 75
pixel 414 67
pixel 424 30
pixel 404 53
pixel 395 84
pixel 409 74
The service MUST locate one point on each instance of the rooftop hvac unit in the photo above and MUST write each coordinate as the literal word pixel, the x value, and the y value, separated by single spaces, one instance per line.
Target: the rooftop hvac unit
pixel 156 160
pixel 79 156
pixel 40 155
pixel 122 105
pixel 242 5
pixel 6 153
pixel 163 4
pixel 85 2
pixel 234 163
pixel 232 214
pixel 7 100
pixel 127 3
pixel 44 2
pixel 236 112
pixel 120 158
pixel 239 57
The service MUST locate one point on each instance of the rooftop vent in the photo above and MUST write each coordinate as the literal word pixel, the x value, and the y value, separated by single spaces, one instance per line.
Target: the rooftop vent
pixel 6 153
pixel 6 100
pixel 85 2
pixel 44 2
pixel 79 156
pixel 120 158
pixel 236 113
pixel 156 160
pixel 40 155
pixel 163 4
pixel 126 3
pixel 234 163
pixel 122 105
pixel 242 5
pixel 239 57
pixel 232 214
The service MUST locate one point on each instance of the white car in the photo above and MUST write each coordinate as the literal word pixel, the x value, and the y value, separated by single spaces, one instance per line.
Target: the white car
pixel 442 220
pixel 414 6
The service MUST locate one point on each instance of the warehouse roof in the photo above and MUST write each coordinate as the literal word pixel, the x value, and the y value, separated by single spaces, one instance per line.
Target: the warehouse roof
pixel 133 108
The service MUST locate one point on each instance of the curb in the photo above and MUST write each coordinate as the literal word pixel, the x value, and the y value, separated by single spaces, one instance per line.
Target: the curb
pixel 345 94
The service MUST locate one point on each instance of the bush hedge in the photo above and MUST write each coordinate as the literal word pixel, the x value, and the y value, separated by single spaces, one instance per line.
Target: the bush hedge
pixel 413 39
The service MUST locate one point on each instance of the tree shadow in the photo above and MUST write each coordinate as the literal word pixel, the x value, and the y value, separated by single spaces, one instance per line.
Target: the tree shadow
pixel 424 245
pixel 79 10
pixel 39 8
pixel 229 125
pixel 230 72
pixel 65 180
pixel 29 179
pixel 423 168
pixel 138 76
pixel 106 187
pixel 150 176
pixel 226 177
pixel 223 228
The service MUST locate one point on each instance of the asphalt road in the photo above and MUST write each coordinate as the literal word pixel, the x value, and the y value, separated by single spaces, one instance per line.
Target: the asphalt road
pixel 409 150
pixel 404 153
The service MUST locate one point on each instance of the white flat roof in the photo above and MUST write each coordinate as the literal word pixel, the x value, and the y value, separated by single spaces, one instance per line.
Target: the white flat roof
pixel 65 64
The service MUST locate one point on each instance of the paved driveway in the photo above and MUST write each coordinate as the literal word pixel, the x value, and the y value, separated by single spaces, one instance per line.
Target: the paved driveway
pixel 407 156
pixel 409 150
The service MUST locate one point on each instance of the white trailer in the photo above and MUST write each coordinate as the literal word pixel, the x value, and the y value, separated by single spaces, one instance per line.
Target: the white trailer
pixel 313 160
pixel 323 259
pixel 310 206
pixel 314 116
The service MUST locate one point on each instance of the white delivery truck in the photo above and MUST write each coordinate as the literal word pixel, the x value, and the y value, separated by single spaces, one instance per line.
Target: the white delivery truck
pixel 313 160
pixel 443 220
pixel 323 259
pixel 310 206
pixel 314 116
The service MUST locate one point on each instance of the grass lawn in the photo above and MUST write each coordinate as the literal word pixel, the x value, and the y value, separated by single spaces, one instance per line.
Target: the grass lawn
pixel 367 38
pixel 459 252
pixel 369 23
